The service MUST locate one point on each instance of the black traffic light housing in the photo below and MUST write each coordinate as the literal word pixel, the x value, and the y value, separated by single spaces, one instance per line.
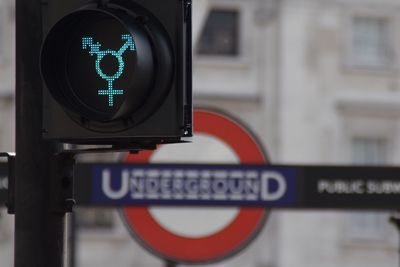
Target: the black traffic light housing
pixel 117 72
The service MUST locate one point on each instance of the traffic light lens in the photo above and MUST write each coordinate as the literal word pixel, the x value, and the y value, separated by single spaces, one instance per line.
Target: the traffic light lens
pixel 110 68
pixel 99 65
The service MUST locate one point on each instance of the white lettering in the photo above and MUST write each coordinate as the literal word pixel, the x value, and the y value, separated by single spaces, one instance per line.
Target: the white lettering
pixel 152 187
pixel 192 188
pixel 236 185
pixel 220 188
pixel 266 193
pixel 383 187
pixel 110 192
pixel 341 187
pixel 175 184
pixel 165 187
pixel 205 187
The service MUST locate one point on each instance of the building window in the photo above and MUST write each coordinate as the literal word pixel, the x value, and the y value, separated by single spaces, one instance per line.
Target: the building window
pixel 369 151
pixel 368 225
pixel 220 35
pixel 370 41
pixel 365 226
pixel 94 218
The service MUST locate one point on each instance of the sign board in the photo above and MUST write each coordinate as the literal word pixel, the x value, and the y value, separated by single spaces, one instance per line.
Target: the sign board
pixel 307 187
pixel 349 187
pixel 267 186
pixel 213 243
pixel 201 185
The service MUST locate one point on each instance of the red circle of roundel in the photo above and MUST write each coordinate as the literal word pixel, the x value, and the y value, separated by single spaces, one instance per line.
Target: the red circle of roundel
pixel 217 246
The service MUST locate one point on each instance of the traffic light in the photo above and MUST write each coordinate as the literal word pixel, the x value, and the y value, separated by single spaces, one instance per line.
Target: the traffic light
pixel 117 72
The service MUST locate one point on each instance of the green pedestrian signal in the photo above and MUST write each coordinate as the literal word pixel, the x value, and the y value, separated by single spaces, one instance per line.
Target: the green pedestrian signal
pixel 119 73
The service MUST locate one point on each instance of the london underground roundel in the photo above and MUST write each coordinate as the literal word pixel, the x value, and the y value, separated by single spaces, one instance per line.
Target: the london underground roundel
pixel 213 245
pixel 103 65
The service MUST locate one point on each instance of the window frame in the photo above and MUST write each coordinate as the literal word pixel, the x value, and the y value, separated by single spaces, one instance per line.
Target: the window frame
pixel 236 77
pixel 375 226
pixel 378 141
pixel 238 34
pixel 367 119
pixel 379 234
pixel 382 46
pixel 243 57
pixel 389 16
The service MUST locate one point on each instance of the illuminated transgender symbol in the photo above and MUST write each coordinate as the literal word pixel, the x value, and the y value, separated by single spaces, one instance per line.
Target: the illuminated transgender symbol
pixel 87 43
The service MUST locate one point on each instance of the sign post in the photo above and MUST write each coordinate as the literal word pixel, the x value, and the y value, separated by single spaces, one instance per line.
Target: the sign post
pixel 280 186
pixel 261 185
pixel 215 246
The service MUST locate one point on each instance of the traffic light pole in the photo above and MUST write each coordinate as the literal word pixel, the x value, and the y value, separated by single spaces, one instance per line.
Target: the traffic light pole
pixel 39 231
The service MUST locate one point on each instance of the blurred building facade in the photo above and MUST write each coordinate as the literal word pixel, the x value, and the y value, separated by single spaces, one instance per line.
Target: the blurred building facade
pixel 316 80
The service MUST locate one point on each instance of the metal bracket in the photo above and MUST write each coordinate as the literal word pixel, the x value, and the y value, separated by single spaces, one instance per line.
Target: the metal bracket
pixel 62 173
pixel 62 182
pixel 132 149
pixel 11 180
